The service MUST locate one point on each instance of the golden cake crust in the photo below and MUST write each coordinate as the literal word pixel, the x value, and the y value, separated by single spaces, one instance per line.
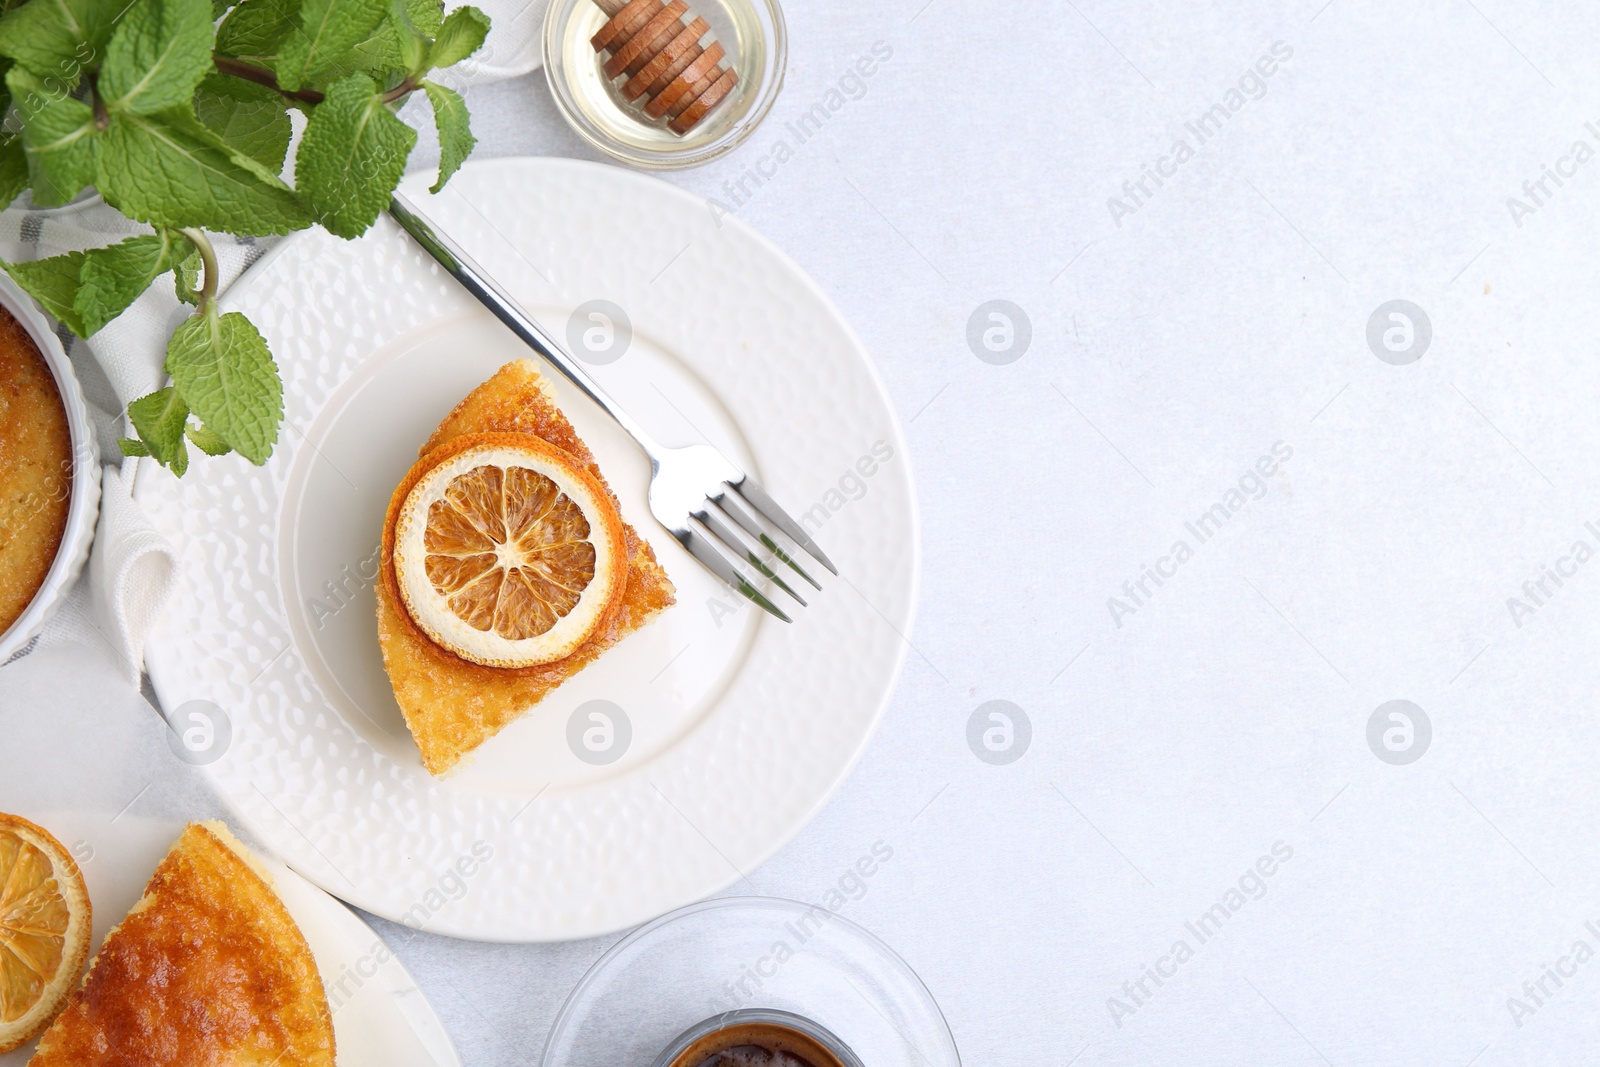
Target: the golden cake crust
pixel 207 970
pixel 35 470
pixel 453 706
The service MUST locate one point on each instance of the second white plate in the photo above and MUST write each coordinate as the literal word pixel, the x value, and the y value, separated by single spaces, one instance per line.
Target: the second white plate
pixel 89 761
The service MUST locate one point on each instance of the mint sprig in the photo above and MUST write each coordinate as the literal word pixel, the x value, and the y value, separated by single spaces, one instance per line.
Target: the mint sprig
pixel 177 112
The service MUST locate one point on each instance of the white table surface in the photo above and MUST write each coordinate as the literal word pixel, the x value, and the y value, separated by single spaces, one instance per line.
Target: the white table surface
pixel 1172 348
pixel 1228 313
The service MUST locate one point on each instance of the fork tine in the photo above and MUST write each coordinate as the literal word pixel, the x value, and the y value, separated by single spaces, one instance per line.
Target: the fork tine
pixel 758 497
pixel 712 518
pixel 734 505
pixel 701 548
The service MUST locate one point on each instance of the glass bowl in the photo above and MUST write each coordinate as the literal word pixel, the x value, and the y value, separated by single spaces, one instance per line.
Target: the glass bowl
pixel 753 33
pixel 738 958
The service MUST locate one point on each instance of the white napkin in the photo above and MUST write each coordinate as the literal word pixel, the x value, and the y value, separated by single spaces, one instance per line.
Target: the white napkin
pixel 132 568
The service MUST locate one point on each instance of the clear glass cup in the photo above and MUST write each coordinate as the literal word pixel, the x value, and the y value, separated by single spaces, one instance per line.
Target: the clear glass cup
pixel 752 32
pixel 736 958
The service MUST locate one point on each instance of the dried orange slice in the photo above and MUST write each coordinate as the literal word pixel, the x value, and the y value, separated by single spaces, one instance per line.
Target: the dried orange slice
pixel 505 551
pixel 44 929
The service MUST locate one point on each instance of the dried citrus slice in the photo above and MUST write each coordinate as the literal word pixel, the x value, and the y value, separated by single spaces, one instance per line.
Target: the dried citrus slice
pixel 505 551
pixel 44 929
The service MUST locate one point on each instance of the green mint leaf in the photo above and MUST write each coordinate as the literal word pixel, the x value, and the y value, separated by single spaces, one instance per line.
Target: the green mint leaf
pixel 219 8
pixel 328 30
pixel 132 447
pixel 86 290
pixel 352 156
pixel 377 56
pixel 59 138
pixel 256 28
pixel 114 277
pixel 221 365
pixel 54 283
pixel 186 278
pixel 170 171
pixel 247 117
pixel 236 88
pixel 409 44
pixel 58 38
pixel 380 54
pixel 455 132
pixel 160 419
pixel 426 16
pixel 461 35
pixel 158 54
pixel 210 443
pixel 13 168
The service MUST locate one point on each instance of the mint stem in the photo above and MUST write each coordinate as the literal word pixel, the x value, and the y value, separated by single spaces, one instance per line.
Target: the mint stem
pixel 208 261
pixel 262 76
pixel 102 119
pixel 405 88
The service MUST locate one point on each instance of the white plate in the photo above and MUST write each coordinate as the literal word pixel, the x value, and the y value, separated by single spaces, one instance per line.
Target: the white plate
pixel 741 726
pixel 99 774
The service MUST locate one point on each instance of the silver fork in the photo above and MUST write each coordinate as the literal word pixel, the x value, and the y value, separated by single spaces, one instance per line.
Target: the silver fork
pixel 700 496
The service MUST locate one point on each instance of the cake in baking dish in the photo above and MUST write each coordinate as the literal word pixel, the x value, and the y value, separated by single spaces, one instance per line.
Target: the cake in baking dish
pixel 35 470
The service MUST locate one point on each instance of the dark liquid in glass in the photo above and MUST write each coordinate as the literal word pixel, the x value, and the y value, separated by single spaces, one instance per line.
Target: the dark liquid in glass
pixel 757 1045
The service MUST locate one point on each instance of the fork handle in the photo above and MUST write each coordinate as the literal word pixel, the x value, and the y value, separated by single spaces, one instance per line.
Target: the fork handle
pixel 464 269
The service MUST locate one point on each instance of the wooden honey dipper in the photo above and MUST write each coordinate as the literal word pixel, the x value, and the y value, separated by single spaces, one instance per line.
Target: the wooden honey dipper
pixel 647 41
